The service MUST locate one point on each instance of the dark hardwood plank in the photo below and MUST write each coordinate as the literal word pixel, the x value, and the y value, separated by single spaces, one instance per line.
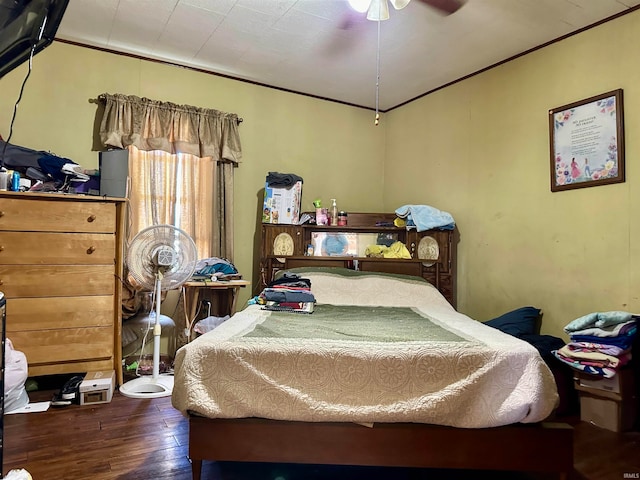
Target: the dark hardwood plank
pixel 147 439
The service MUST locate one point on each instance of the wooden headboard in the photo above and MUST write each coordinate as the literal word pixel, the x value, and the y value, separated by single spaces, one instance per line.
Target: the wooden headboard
pixel 433 252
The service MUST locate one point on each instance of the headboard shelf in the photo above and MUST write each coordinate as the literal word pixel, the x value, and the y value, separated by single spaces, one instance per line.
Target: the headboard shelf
pixel 290 246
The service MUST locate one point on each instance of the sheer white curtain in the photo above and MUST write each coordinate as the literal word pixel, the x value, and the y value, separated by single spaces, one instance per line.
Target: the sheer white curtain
pixel 177 189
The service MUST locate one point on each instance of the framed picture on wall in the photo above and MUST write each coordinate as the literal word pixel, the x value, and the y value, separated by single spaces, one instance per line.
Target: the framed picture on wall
pixel 587 142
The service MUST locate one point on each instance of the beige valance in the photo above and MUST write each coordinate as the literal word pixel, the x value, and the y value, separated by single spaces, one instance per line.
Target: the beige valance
pixel 153 125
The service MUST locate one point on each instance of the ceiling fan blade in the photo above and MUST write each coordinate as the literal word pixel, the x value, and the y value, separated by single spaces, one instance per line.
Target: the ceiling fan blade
pixel 445 6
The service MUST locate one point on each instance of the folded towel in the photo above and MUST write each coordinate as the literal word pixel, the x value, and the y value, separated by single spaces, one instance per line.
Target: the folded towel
pixel 606 372
pixel 285 295
pixel 598 319
pixel 596 347
pixel 425 217
pixel 625 328
pixel 301 307
pixel 623 341
pixel 590 356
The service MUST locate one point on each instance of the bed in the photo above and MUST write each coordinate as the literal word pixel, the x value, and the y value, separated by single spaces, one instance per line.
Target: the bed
pixel 383 372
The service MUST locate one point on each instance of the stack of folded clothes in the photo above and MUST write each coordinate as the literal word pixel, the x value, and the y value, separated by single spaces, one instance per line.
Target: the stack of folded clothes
pixel 289 293
pixel 600 343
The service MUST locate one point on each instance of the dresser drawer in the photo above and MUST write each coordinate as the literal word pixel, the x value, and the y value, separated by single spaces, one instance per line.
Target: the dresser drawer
pixel 29 314
pixel 56 280
pixel 84 366
pixel 37 215
pixel 17 248
pixel 64 345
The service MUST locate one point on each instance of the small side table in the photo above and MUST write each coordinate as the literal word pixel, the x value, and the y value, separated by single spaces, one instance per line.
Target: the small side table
pixel 191 297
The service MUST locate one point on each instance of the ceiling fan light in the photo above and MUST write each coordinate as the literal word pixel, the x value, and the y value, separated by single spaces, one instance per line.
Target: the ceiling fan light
pixel 379 10
pixel 360 6
pixel 399 4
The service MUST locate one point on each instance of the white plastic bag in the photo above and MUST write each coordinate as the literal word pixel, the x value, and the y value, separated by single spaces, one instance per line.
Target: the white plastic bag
pixel 15 375
pixel 20 474
pixel 209 323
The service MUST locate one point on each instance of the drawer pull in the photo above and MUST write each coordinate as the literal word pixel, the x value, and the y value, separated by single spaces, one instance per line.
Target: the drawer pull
pixel 91 218
pixel 1 248
pixel 91 249
pixel 1 282
pixel 1 213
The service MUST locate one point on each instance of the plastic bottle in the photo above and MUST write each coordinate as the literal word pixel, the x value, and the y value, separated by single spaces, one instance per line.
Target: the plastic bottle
pixel 334 212
pixel 4 179
pixel 15 181
pixel 342 218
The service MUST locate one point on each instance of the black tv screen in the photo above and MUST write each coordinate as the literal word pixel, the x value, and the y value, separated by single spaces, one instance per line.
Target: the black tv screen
pixel 27 25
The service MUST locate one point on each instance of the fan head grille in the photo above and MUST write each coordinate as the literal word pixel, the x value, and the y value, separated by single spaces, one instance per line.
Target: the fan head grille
pixel 164 251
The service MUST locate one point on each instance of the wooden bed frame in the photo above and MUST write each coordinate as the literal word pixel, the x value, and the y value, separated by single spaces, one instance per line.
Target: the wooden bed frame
pixel 542 447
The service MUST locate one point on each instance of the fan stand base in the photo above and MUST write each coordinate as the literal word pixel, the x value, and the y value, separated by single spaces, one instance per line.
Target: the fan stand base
pixel 148 387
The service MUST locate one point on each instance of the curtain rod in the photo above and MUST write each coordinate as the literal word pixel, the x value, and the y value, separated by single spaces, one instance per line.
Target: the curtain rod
pixel 102 98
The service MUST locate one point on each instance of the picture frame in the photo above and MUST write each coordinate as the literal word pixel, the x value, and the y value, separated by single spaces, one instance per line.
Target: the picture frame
pixel 587 142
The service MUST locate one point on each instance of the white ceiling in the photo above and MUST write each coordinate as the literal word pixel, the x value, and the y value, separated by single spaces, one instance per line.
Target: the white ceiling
pixel 301 45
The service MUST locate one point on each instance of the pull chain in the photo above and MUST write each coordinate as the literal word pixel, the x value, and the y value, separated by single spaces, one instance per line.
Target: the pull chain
pixel 377 120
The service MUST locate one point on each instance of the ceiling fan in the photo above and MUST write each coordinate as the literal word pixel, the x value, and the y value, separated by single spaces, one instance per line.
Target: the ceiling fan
pixel 379 9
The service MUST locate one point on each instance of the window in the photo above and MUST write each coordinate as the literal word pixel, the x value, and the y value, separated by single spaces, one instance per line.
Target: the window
pixel 181 161
pixel 176 189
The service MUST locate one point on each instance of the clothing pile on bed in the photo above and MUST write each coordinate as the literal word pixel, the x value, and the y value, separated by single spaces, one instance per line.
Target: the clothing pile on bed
pixel 600 343
pixel 289 293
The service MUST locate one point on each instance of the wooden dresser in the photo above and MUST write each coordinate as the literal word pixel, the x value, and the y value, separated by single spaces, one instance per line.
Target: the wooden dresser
pixel 433 252
pixel 61 261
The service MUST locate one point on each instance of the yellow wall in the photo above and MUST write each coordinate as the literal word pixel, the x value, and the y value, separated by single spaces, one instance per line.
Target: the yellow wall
pixel 478 149
pixel 334 148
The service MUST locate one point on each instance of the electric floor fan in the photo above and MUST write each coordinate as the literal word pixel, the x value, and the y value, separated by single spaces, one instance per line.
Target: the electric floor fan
pixel 159 258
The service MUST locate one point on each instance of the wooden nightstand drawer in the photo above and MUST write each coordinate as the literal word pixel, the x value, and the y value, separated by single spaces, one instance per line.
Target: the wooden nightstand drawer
pixel 36 215
pixel 17 248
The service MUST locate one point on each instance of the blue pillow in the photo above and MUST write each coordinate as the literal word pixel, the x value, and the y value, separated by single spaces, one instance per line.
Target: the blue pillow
pixel 517 322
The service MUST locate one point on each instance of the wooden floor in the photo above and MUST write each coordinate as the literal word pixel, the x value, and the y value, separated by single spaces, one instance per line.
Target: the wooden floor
pixel 147 439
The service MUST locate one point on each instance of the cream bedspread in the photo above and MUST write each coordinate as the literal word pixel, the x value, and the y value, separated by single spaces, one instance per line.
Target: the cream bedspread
pixel 485 379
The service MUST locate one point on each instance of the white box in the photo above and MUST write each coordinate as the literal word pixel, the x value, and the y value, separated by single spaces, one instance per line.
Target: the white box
pixel 97 387
pixel 282 205
pixel 621 383
pixel 610 384
pixel 617 416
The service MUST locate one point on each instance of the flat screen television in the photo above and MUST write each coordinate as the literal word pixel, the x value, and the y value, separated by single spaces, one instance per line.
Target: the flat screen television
pixel 27 25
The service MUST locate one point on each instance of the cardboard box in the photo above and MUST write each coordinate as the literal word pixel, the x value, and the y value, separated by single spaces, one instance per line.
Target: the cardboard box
pixel 282 205
pixel 612 384
pixel 621 383
pixel 97 387
pixel 614 415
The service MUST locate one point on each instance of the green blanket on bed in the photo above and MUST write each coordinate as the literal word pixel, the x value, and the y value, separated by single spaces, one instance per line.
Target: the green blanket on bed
pixel 347 322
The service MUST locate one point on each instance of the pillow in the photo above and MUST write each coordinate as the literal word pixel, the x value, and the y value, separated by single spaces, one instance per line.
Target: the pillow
pixel 341 286
pixel 522 321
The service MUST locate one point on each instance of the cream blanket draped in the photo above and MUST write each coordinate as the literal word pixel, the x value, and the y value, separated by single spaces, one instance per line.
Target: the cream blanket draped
pixel 468 375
